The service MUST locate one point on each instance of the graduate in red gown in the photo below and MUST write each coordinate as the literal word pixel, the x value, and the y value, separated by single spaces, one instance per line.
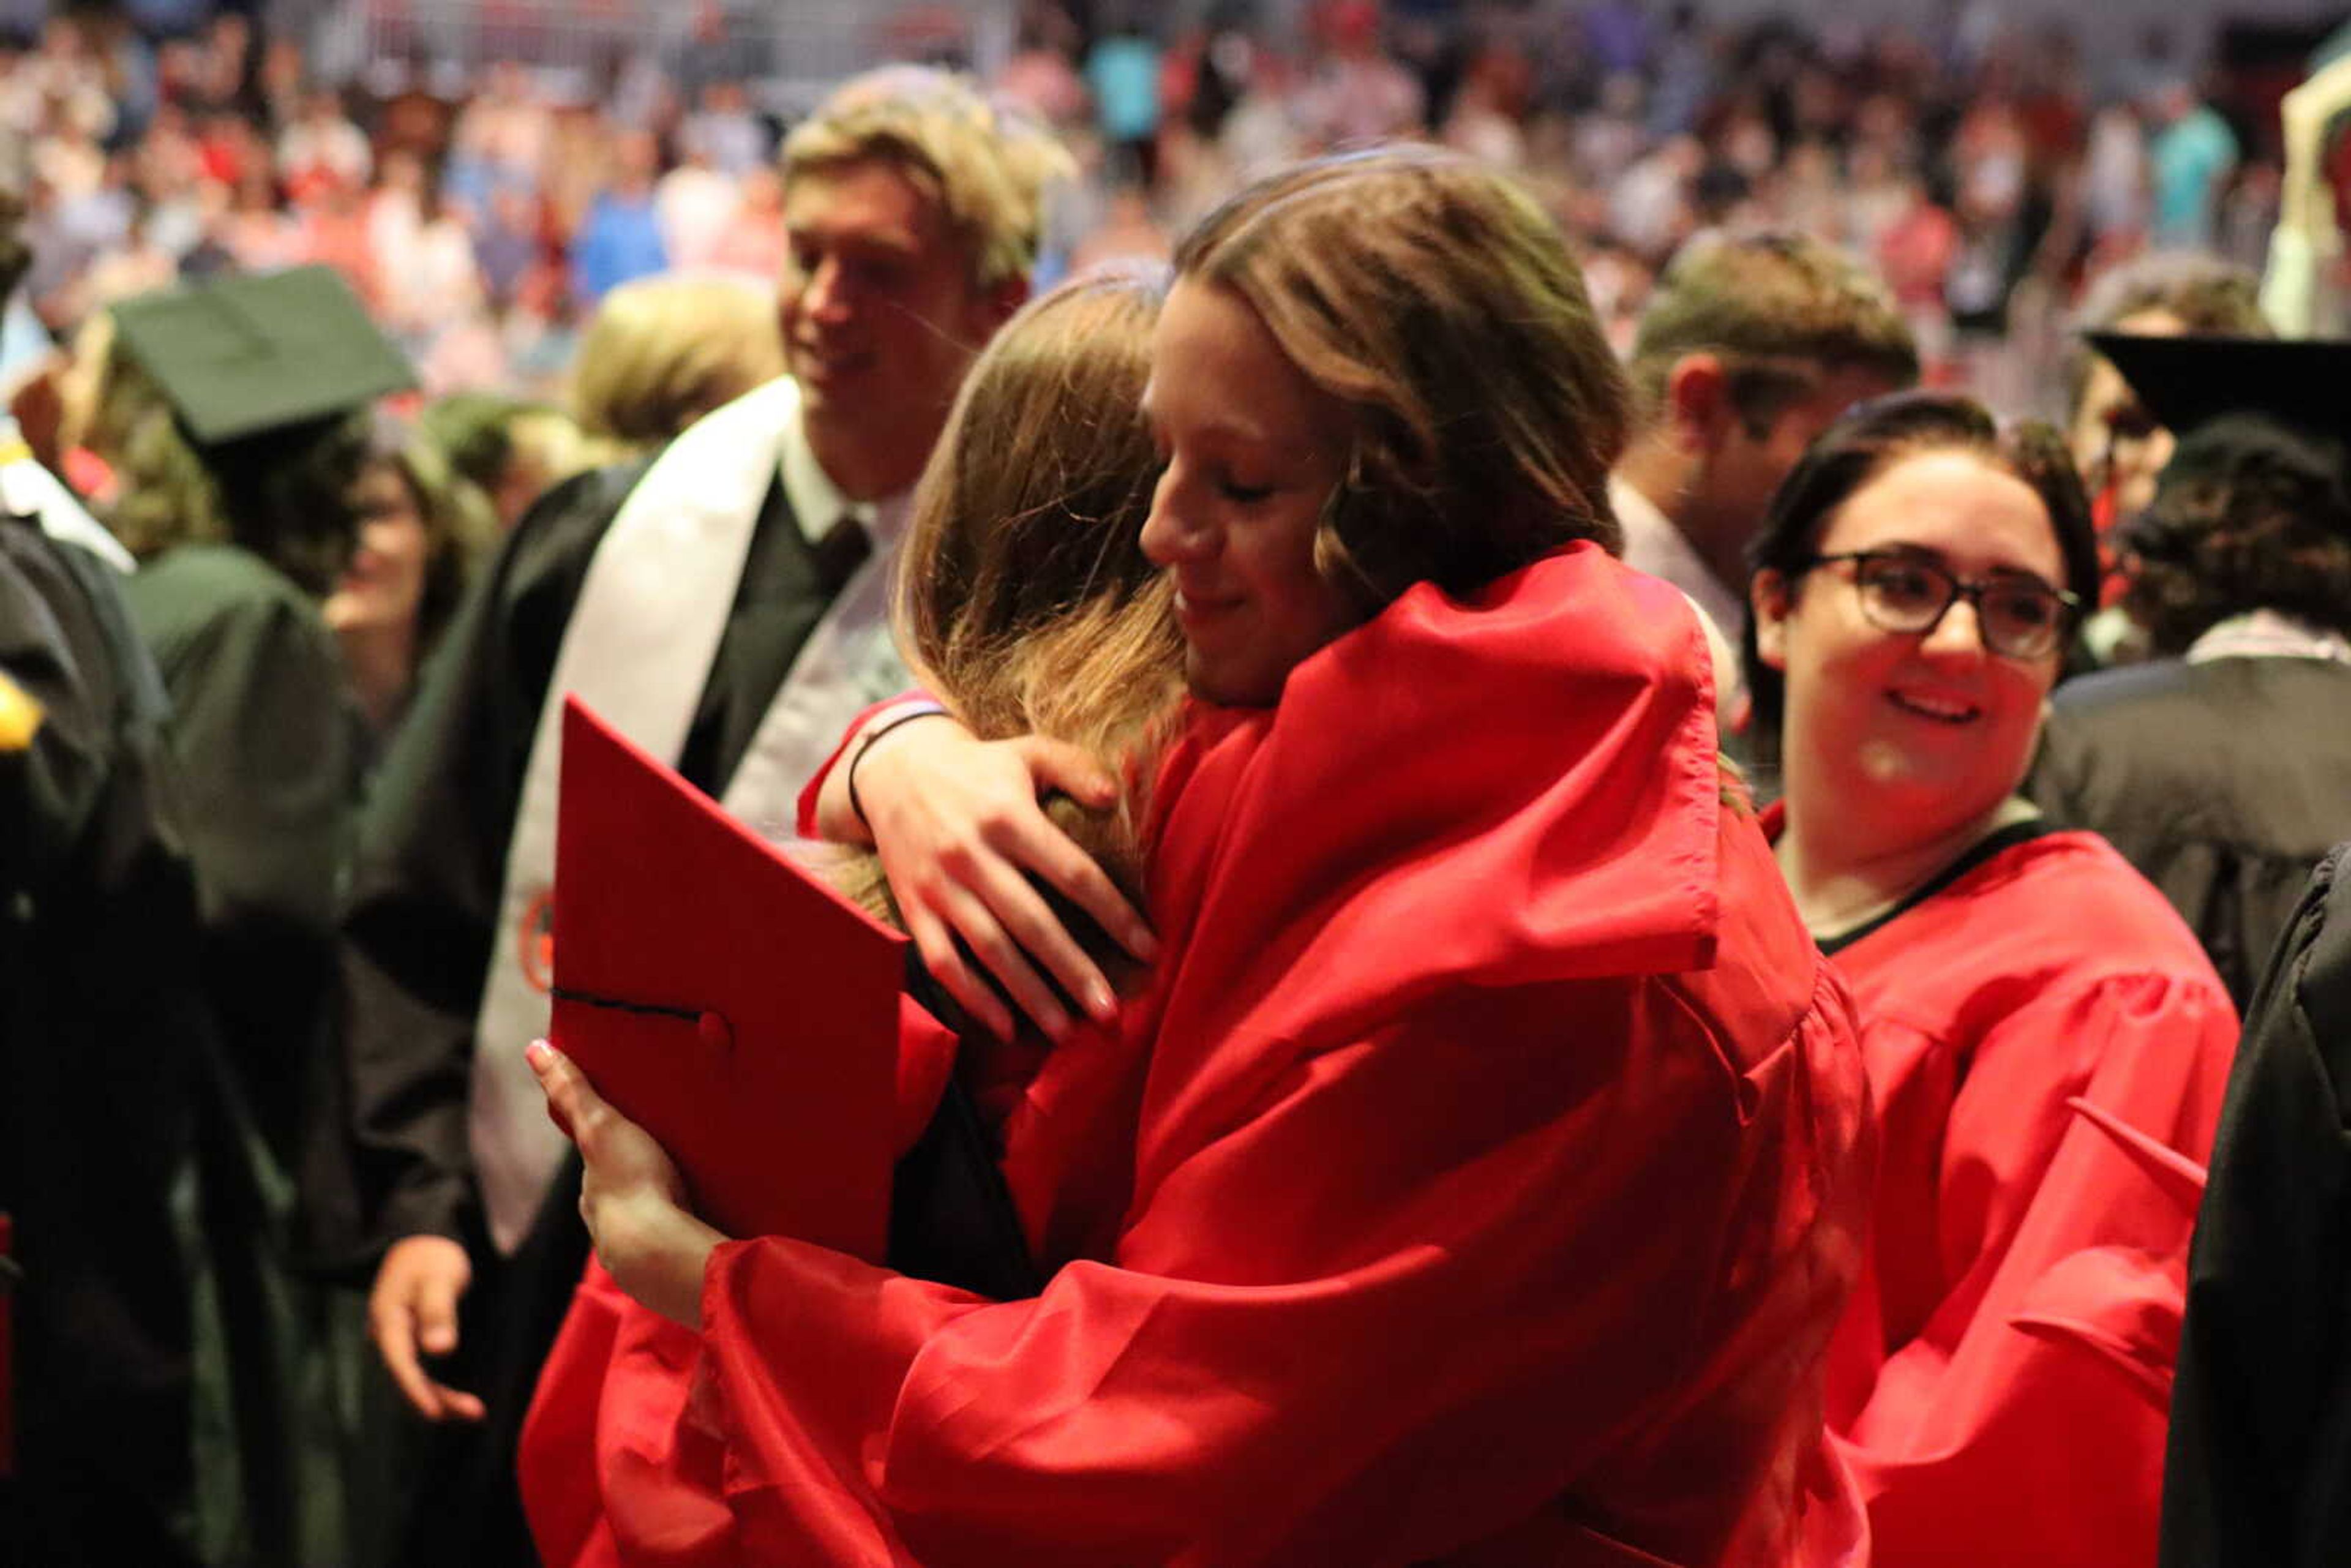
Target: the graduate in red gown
pixel 1027 602
pixel 2039 1027
pixel 1479 1173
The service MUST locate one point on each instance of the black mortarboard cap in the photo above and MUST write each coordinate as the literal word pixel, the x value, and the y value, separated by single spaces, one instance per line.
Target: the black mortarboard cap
pixel 250 354
pixel 2187 382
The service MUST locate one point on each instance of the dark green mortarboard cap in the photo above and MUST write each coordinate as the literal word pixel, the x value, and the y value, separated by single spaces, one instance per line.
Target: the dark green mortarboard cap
pixel 250 354
pixel 2187 382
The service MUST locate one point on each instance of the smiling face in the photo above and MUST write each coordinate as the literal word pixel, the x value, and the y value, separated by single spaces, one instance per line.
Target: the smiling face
pixel 1253 453
pixel 881 313
pixel 1921 733
pixel 384 584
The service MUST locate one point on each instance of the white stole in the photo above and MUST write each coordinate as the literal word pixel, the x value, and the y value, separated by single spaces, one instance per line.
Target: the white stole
pixel 29 490
pixel 637 649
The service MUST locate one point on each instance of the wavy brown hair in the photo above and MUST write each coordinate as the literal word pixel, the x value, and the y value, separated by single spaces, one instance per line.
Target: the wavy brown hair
pixel 1439 303
pixel 2250 515
pixel 1024 601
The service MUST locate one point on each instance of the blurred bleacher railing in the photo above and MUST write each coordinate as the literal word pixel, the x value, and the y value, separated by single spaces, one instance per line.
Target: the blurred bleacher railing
pixel 790 50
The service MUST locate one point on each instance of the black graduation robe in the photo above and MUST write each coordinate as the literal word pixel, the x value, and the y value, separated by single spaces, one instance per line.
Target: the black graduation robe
pixel 100 1018
pixel 420 919
pixel 268 748
pixel 2258 1471
pixel 2222 782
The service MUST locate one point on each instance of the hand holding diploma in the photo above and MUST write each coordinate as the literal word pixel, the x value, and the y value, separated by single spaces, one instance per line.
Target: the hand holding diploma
pixel 631 1195
pixel 739 1019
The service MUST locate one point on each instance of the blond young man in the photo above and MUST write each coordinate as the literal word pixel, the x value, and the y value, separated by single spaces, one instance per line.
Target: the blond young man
pixel 724 603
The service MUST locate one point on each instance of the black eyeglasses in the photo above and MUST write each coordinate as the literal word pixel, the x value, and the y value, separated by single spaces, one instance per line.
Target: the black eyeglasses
pixel 2017 615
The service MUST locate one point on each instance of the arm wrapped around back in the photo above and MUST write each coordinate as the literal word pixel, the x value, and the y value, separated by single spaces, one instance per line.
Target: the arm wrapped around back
pixel 1477 1180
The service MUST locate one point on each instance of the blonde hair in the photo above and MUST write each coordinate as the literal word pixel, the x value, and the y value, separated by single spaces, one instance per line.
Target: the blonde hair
pixel 1024 601
pixel 1439 303
pixel 663 351
pixel 551 441
pixel 986 168
pixel 82 388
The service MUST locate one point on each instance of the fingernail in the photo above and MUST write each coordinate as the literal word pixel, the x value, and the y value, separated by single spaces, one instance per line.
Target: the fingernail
pixel 1101 1002
pixel 539 1052
pixel 1145 945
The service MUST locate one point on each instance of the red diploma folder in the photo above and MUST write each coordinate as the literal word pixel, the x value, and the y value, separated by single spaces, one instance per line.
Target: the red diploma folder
pixel 724 999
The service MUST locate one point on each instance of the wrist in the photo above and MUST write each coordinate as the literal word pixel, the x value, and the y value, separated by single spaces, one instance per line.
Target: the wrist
pixel 657 1252
pixel 889 720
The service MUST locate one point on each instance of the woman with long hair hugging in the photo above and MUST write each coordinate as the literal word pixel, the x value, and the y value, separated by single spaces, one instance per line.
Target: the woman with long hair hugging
pixel 1477 1171
pixel 1025 601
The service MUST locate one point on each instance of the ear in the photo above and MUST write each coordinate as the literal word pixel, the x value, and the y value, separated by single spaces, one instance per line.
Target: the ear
pixel 1767 601
pixel 1697 397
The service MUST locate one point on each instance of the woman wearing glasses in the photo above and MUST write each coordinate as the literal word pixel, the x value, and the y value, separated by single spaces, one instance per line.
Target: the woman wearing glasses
pixel 2042 1034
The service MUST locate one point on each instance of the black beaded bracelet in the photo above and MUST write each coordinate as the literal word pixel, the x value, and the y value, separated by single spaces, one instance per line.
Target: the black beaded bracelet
pixel 865 744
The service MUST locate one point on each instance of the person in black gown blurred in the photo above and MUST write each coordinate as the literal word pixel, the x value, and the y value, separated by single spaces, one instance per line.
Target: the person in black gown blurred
pixel 2222 769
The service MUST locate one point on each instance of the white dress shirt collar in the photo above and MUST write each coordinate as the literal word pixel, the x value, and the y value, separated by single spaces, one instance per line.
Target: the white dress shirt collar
pixel 1654 545
pixel 819 503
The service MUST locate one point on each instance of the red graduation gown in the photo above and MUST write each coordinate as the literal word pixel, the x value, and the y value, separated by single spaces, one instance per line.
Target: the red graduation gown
pixel 2002 1380
pixel 1478 1181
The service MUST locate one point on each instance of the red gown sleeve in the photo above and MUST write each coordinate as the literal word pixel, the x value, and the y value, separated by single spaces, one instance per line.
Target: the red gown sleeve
pixel 2040 1375
pixel 557 1473
pixel 1488 1186
pixel 608 1435
pixel 1329 1334
pixel 804 816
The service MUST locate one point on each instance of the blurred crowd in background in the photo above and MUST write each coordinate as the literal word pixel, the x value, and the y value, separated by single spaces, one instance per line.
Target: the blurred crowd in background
pixel 1989 171
pixel 567 218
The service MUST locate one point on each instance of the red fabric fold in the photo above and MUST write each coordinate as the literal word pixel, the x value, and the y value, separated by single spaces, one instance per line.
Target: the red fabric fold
pixel 2015 1335
pixel 1477 1180
pixel 804 808
pixel 560 1435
